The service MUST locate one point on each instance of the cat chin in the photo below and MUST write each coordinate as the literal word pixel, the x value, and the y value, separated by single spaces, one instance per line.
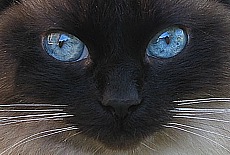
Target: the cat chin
pixel 122 144
pixel 117 140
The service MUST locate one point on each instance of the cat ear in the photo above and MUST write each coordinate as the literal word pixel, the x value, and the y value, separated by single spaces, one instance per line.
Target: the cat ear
pixel 7 3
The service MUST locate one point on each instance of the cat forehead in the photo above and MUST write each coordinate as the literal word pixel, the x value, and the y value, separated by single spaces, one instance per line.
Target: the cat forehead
pixel 114 11
pixel 101 17
pixel 118 3
pixel 114 7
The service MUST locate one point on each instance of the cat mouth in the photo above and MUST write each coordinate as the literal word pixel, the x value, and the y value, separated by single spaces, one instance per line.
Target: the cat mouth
pixel 120 133
pixel 125 131
pixel 122 142
pixel 117 138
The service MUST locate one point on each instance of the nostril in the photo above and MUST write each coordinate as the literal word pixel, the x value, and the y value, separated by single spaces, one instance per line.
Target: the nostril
pixel 121 108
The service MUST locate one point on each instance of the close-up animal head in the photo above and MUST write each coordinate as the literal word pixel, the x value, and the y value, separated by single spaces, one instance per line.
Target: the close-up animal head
pixel 114 77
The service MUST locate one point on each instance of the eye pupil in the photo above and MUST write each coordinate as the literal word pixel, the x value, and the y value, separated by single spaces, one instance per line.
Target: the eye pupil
pixel 167 40
pixel 60 44
pixel 63 38
pixel 166 37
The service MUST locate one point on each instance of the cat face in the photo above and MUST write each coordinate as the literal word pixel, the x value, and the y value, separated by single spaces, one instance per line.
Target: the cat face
pixel 127 70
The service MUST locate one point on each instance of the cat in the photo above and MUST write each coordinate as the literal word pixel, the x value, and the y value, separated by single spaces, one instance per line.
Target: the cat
pixel 115 77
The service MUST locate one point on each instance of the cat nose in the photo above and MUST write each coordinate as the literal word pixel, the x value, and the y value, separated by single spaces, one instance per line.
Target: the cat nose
pixel 121 108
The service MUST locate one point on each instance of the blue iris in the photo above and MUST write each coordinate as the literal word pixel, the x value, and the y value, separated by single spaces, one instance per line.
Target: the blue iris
pixel 65 47
pixel 168 43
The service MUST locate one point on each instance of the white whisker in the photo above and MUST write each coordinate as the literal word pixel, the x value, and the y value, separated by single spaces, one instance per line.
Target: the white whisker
pixel 71 136
pixel 31 105
pixel 148 141
pixel 205 100
pixel 25 110
pixel 211 125
pixel 195 128
pixel 169 136
pixel 148 147
pixel 29 116
pixel 199 135
pixel 38 136
pixel 196 114
pixel 195 110
pixel 202 118
pixel 97 150
pixel 10 122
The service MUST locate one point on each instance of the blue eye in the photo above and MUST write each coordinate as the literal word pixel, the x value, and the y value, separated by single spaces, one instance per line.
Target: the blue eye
pixel 65 47
pixel 167 43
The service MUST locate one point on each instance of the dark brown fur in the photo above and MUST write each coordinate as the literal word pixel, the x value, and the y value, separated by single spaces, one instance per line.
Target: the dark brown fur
pixel 116 33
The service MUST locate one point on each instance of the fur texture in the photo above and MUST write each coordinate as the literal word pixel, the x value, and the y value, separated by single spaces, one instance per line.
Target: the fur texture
pixel 116 33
